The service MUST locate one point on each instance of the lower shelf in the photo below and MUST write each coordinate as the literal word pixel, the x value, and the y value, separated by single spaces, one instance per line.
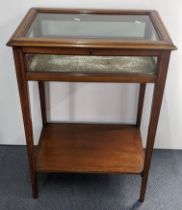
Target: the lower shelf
pixel 90 148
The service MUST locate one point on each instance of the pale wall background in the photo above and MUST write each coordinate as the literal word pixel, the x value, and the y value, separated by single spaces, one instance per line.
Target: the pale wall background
pixel 91 102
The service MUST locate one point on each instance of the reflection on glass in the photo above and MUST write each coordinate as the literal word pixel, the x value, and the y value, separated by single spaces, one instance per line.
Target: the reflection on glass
pixel 93 26
pixel 91 64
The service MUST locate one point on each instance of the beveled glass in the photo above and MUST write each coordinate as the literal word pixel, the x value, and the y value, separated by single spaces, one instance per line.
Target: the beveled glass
pixel 126 27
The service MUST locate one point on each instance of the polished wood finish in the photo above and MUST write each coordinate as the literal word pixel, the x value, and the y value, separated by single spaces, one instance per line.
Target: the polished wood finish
pixel 140 103
pixel 155 111
pixel 42 101
pixel 90 51
pixel 25 105
pixel 90 148
pixel 19 39
pixel 92 77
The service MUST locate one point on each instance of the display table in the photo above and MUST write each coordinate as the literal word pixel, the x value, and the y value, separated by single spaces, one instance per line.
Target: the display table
pixel 91 46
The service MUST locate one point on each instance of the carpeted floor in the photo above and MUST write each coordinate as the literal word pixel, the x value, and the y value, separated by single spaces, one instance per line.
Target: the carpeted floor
pixel 90 192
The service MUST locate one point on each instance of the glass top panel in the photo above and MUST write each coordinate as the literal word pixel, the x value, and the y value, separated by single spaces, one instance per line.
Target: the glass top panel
pixel 127 27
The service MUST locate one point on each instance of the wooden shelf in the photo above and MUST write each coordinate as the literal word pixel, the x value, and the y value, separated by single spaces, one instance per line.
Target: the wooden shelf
pixel 90 148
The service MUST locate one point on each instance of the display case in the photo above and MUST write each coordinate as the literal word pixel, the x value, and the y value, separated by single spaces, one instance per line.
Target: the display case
pixel 86 45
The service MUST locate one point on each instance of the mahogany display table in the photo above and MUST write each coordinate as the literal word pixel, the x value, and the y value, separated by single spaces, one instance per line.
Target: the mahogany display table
pixel 91 46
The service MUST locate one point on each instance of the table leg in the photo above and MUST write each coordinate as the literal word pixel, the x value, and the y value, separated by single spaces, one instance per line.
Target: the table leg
pixel 26 112
pixel 42 101
pixel 155 111
pixel 140 103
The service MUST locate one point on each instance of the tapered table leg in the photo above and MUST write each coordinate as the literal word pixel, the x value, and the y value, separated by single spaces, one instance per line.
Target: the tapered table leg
pixel 26 112
pixel 140 103
pixel 155 111
pixel 42 101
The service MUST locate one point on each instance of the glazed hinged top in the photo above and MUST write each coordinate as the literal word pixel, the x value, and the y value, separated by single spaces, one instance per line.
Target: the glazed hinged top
pixel 92 28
